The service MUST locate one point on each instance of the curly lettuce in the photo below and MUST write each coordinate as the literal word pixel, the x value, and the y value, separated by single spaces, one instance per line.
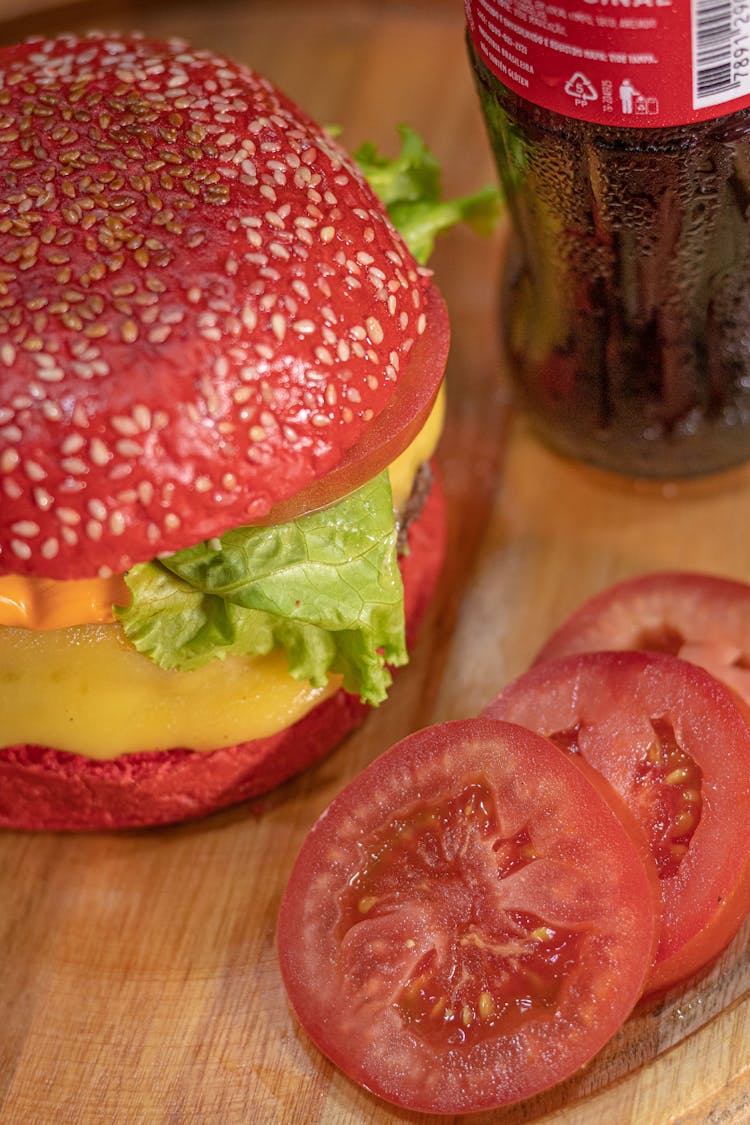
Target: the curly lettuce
pixel 410 187
pixel 326 587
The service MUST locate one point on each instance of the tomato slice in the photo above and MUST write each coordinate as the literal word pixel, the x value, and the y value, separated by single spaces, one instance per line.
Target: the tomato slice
pixel 702 618
pixel 468 922
pixel 671 740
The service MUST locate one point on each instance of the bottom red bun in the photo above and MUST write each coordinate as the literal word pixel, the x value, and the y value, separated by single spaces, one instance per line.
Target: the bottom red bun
pixel 46 789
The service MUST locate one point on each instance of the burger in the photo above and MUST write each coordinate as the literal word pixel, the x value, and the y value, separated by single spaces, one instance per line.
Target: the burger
pixel 220 394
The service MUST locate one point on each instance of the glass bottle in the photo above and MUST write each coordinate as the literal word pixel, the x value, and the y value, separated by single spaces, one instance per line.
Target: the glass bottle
pixel 622 138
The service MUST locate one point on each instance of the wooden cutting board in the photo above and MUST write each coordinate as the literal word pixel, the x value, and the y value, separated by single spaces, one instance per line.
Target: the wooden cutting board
pixel 138 980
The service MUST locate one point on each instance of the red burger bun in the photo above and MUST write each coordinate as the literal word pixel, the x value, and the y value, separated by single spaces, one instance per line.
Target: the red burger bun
pixel 45 789
pixel 204 316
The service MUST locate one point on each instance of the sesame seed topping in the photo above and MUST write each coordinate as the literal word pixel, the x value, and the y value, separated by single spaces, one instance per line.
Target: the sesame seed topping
pixel 72 444
pixel 374 330
pixel 74 465
pixel 278 326
pixel 20 549
pixel 27 528
pixel 129 331
pixel 100 455
pixel 188 271
pixel 9 459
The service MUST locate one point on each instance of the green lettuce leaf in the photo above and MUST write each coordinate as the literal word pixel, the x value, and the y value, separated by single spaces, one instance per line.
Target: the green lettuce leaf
pixel 410 187
pixel 326 587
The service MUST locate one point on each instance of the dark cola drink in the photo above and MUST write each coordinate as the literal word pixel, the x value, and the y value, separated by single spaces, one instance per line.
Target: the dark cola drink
pixel 626 297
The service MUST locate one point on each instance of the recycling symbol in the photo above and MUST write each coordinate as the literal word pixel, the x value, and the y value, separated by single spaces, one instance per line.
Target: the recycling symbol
pixel 580 88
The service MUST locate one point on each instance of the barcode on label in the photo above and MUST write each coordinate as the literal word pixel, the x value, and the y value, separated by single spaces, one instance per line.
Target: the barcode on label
pixel 721 51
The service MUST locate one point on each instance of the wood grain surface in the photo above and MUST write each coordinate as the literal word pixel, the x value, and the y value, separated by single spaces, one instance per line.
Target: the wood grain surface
pixel 138 979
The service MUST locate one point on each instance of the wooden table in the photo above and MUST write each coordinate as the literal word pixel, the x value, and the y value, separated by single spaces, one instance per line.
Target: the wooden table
pixel 138 979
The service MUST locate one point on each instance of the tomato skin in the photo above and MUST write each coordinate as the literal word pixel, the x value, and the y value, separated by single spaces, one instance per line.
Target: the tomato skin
pixel 616 703
pixel 395 895
pixel 703 618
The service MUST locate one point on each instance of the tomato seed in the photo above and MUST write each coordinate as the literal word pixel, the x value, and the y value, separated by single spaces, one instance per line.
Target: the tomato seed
pixel 684 822
pixel 486 1006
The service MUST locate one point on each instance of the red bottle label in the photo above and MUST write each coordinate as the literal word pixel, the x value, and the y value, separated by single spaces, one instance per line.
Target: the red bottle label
pixel 632 63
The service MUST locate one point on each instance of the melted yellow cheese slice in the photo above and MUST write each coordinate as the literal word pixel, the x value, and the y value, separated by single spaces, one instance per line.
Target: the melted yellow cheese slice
pixel 87 690
pixel 403 470
pixel 70 680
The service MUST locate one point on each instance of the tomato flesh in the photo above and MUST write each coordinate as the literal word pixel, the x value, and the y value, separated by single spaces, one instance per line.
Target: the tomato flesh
pixel 504 979
pixel 447 937
pixel 671 741
pixel 491 972
pixel 665 796
pixel 669 798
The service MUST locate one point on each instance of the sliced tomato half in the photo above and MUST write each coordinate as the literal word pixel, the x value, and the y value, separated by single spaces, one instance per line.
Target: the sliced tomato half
pixel 671 740
pixel 703 618
pixel 468 923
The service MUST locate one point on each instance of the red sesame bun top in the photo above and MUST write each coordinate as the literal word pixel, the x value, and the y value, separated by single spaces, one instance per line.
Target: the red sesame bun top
pixel 202 306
